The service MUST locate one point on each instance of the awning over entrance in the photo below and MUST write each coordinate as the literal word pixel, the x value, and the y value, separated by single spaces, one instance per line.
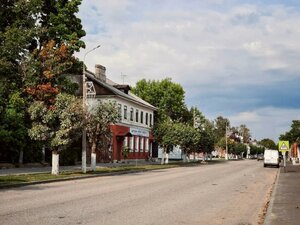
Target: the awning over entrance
pixel 124 134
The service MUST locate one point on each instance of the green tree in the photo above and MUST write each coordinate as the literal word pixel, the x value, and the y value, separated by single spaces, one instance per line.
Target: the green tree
pixel 220 125
pixel 57 125
pixel 230 144
pixel 293 135
pixel 255 150
pixel 13 132
pixel 26 27
pixel 164 135
pixel 187 137
pixel 268 143
pixel 98 127
pixel 245 133
pixel 167 96
pixel 239 148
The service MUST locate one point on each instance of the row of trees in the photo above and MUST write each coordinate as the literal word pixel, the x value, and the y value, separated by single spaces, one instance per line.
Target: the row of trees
pixel 37 42
pixel 38 107
pixel 175 124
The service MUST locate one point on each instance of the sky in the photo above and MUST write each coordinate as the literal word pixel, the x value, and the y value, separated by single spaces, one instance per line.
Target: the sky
pixel 236 59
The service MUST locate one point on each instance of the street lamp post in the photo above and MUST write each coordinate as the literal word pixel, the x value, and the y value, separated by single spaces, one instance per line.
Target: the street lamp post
pixel 226 150
pixel 84 106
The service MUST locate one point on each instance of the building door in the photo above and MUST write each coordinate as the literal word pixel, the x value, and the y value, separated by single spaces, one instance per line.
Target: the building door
pixel 154 150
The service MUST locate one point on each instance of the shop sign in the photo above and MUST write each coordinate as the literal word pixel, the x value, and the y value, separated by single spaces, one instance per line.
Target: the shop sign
pixel 139 132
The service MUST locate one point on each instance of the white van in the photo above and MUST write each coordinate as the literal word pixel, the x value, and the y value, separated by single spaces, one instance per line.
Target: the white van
pixel 271 158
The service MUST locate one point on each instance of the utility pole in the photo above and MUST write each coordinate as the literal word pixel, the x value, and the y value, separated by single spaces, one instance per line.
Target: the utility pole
pixel 226 150
pixel 84 107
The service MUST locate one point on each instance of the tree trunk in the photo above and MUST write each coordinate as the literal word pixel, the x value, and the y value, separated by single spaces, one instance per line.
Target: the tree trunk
pixel 183 157
pixel 167 158
pixel 93 156
pixel 21 157
pixel 55 162
pixel 43 154
pixel 163 157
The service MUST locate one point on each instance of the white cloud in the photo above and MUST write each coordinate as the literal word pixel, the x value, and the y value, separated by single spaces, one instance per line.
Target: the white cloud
pixel 268 122
pixel 206 49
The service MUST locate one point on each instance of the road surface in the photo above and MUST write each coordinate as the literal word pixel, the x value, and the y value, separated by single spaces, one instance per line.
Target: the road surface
pixel 234 193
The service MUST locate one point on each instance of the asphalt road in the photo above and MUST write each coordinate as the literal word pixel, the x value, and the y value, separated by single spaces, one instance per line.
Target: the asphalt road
pixel 221 193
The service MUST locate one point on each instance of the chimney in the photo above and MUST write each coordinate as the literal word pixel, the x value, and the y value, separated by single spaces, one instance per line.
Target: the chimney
pixel 100 72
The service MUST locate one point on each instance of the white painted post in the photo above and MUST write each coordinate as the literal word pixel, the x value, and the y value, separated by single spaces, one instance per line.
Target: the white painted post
pixel 55 163
pixel 284 161
pixel 167 158
pixel 93 161
pixel 163 157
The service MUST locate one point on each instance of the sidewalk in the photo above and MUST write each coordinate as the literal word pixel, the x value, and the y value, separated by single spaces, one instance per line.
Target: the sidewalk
pixel 284 206
pixel 47 169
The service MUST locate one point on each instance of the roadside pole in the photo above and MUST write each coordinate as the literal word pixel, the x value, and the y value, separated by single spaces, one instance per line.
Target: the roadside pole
pixel 284 161
pixel 283 148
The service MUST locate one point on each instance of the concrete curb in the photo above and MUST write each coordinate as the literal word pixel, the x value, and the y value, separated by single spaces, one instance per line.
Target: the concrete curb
pixel 74 178
pixel 274 190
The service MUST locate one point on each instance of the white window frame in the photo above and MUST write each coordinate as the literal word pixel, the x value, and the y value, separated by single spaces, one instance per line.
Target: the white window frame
pixel 131 114
pixel 142 117
pixel 125 112
pixel 136 115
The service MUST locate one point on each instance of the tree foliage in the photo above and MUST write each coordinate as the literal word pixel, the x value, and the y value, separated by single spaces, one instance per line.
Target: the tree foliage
pixel 244 132
pixel 255 150
pixel 268 143
pixel 59 124
pixel 167 96
pixel 37 41
pixel 164 134
pixel 220 125
pixel 187 137
pixel 13 132
pixel 98 122
pixel 293 135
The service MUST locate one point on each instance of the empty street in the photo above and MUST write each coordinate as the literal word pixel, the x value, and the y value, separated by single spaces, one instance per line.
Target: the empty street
pixel 233 192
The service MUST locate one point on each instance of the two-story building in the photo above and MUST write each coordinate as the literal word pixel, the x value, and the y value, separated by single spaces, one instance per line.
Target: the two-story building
pixel 137 116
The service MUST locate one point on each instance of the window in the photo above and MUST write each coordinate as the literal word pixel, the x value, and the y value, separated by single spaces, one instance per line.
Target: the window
pixel 136 146
pixel 131 114
pixel 146 145
pixel 142 117
pixel 141 144
pixel 150 120
pixel 146 120
pixel 131 144
pixel 137 115
pixel 125 112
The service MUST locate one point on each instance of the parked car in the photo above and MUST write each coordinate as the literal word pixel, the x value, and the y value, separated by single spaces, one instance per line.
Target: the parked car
pixel 260 157
pixel 271 158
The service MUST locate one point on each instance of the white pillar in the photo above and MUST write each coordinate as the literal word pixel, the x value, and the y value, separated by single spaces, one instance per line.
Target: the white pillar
pixel 55 163
pixel 93 161
pixel 167 158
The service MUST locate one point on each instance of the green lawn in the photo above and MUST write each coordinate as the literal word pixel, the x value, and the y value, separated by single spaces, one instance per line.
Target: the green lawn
pixel 6 181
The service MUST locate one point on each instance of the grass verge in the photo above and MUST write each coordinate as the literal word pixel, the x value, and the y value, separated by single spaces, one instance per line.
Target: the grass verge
pixel 15 180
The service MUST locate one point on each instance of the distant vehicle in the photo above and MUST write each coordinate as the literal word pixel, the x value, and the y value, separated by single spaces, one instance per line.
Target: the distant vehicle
pixel 260 157
pixel 271 158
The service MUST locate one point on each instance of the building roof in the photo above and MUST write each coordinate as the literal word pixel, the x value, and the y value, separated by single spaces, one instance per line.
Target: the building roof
pixel 110 86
